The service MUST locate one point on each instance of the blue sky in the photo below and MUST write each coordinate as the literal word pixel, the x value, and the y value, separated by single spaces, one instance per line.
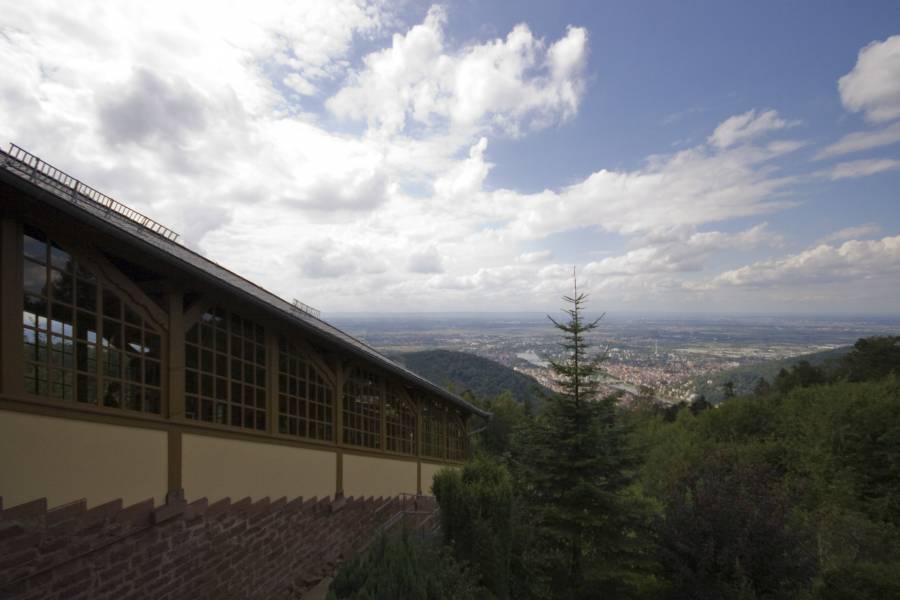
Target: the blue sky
pixel 685 156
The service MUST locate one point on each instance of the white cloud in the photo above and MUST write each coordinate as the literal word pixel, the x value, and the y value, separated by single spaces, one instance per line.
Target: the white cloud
pixel 466 177
pixel 692 187
pixel 538 256
pixel 873 85
pixel 853 260
pixel 862 140
pixel 206 119
pixel 849 233
pixel 680 251
pixel 513 84
pixel 747 126
pixel 862 168
pixel 425 261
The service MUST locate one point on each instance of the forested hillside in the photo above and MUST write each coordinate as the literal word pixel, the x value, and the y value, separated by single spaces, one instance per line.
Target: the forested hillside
pixel 747 377
pixel 791 492
pixel 461 371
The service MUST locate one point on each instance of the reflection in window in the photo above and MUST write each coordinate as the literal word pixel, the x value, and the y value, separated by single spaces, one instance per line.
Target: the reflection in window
pixel 305 399
pixel 362 409
pixel 457 439
pixel 399 423
pixel 434 429
pixel 225 374
pixel 73 351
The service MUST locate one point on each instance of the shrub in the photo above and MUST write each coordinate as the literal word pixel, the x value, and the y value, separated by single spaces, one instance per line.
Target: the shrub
pixel 402 567
pixel 476 518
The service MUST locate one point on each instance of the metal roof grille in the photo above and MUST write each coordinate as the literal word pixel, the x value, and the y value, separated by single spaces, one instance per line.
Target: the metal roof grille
pixel 306 308
pixel 39 170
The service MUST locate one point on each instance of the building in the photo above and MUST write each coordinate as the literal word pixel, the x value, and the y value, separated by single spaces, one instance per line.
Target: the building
pixel 134 368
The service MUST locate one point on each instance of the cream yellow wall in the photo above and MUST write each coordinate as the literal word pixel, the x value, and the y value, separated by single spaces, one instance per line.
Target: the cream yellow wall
pixel 371 476
pixel 428 472
pixel 216 468
pixel 66 460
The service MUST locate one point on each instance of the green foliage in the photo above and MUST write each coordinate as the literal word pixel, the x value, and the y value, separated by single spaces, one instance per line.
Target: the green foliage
pixel 861 581
pixel 476 519
pixel 573 466
pixel 872 358
pixel 782 494
pixel 464 372
pixel 791 492
pixel 725 532
pixel 747 377
pixel 403 568
pixel 869 359
pixel 507 416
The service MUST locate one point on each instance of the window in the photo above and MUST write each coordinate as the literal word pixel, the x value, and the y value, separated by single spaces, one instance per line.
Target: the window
pixel 434 435
pixel 225 371
pixel 457 438
pixel 399 423
pixel 305 398
pixel 362 409
pixel 81 340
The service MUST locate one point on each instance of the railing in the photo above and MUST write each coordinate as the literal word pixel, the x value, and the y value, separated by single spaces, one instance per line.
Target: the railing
pixel 38 169
pixel 307 309
pixel 424 522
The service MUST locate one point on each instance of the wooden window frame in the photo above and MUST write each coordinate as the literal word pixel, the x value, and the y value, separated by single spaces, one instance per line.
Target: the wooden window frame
pixel 400 425
pixel 131 318
pixel 362 414
pixel 226 371
pixel 171 328
pixel 434 429
pixel 290 401
pixel 457 437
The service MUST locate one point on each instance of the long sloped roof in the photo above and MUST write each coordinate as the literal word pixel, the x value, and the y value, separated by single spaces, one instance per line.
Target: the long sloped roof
pixel 72 197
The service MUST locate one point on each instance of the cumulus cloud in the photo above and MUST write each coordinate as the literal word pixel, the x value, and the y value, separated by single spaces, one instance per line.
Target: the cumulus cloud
pixel 679 252
pixel 862 168
pixel 212 121
pixel 466 177
pixel 849 233
pixel 854 260
pixel 327 258
pixel 425 261
pixel 873 85
pixel 148 108
pixel 534 257
pixel 693 187
pixel 861 140
pixel 747 126
pixel 513 84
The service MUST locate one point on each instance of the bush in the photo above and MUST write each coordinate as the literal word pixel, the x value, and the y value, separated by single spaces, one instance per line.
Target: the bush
pixel 476 518
pixel 404 568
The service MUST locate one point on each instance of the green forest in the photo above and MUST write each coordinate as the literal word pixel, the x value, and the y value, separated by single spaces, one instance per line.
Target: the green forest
pixel 791 491
pixel 469 374
pixel 745 378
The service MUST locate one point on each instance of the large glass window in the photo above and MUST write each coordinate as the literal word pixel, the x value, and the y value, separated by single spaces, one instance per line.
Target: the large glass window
pixel 399 423
pixel 457 438
pixel 225 371
pixel 81 340
pixel 305 399
pixel 362 409
pixel 434 434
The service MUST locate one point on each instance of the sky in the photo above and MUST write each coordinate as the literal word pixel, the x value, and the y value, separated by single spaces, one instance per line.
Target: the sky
pixel 719 157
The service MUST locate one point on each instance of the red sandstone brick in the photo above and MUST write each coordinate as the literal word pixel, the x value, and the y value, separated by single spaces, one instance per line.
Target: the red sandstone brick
pixel 101 512
pixel 66 512
pixel 26 510
pixel 138 513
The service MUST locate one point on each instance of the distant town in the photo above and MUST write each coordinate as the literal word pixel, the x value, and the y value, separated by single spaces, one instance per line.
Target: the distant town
pixel 663 356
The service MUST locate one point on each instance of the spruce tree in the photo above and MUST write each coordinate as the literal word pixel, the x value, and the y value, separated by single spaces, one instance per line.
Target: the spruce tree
pixel 574 466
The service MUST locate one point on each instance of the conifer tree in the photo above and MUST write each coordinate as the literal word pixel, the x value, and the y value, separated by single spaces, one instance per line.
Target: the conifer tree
pixel 574 465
